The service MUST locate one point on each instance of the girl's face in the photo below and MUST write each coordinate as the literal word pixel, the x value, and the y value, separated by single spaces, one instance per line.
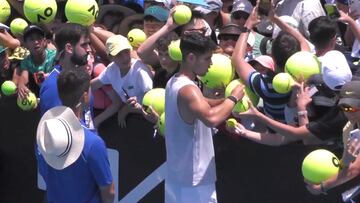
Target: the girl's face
pixel 165 61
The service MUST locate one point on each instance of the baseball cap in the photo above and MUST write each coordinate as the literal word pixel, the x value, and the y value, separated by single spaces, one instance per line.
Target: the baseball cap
pixel 158 12
pixel 194 2
pixel 288 20
pixel 325 96
pixel 242 5
pixel 350 94
pixel 117 43
pixel 32 28
pixel 265 61
pixel 335 69
pixel 212 6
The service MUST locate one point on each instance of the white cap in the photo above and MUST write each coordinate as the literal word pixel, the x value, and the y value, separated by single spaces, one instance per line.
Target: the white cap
pixel 335 69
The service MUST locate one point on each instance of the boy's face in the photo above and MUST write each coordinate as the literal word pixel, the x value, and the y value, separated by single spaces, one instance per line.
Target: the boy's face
pixel 123 59
pixel 36 43
pixel 227 43
pixel 151 26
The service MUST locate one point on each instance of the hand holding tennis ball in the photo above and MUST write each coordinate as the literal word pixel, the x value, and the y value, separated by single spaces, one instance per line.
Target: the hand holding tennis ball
pixel 30 102
pixel 231 123
pixel 182 14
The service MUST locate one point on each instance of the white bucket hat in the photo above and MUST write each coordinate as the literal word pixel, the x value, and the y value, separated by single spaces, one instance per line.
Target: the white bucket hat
pixel 60 137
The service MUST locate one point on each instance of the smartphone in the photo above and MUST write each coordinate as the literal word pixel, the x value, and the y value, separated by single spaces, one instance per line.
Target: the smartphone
pixel 355 134
pixel 4 27
pixel 39 77
pixel 312 91
pixel 125 93
pixel 332 11
pixel 264 7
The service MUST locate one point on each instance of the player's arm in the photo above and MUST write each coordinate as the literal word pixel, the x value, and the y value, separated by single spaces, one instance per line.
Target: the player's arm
pixel 196 106
pixel 214 102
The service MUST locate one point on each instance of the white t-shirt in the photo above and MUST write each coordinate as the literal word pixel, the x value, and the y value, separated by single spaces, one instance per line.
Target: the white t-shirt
pixel 136 82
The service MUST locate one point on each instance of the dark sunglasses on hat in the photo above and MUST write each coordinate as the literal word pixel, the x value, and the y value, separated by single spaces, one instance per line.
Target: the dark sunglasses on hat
pixel 349 109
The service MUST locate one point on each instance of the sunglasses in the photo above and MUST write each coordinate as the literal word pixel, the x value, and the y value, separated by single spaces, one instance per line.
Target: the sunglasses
pixel 228 37
pixel 237 15
pixel 349 109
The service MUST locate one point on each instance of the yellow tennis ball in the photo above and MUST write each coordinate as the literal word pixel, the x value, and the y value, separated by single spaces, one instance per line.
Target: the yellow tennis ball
pixel 182 14
pixel 161 124
pixel 28 103
pixel 83 12
pixel 220 73
pixel 17 26
pixel 5 11
pixel 320 165
pixel 136 37
pixel 282 83
pixel 242 105
pixel 156 99
pixel 302 64
pixel 40 11
pixel 248 92
pixel 231 122
pixel 175 51
pixel 8 88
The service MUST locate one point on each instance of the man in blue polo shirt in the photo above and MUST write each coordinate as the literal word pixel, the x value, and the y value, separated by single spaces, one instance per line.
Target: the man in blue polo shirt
pixel 72 159
pixel 73 43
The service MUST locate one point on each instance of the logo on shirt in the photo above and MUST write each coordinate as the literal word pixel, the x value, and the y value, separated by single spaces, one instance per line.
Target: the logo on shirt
pixel 349 92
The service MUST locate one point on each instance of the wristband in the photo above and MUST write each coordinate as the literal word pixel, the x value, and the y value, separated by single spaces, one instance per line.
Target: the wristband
pixel 302 113
pixel 245 29
pixel 233 99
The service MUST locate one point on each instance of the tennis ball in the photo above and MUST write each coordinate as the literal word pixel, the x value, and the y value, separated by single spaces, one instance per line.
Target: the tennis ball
pixel 136 37
pixel 40 11
pixel 175 51
pixel 17 26
pixel 161 124
pixel 320 165
pixel 248 92
pixel 302 64
pixel 28 103
pixel 282 83
pixel 220 73
pixel 8 88
pixel 5 11
pixel 231 122
pixel 83 12
pixel 182 14
pixel 242 105
pixel 156 99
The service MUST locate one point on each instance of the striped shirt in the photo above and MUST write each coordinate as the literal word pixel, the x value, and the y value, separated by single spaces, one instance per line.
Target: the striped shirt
pixel 274 103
